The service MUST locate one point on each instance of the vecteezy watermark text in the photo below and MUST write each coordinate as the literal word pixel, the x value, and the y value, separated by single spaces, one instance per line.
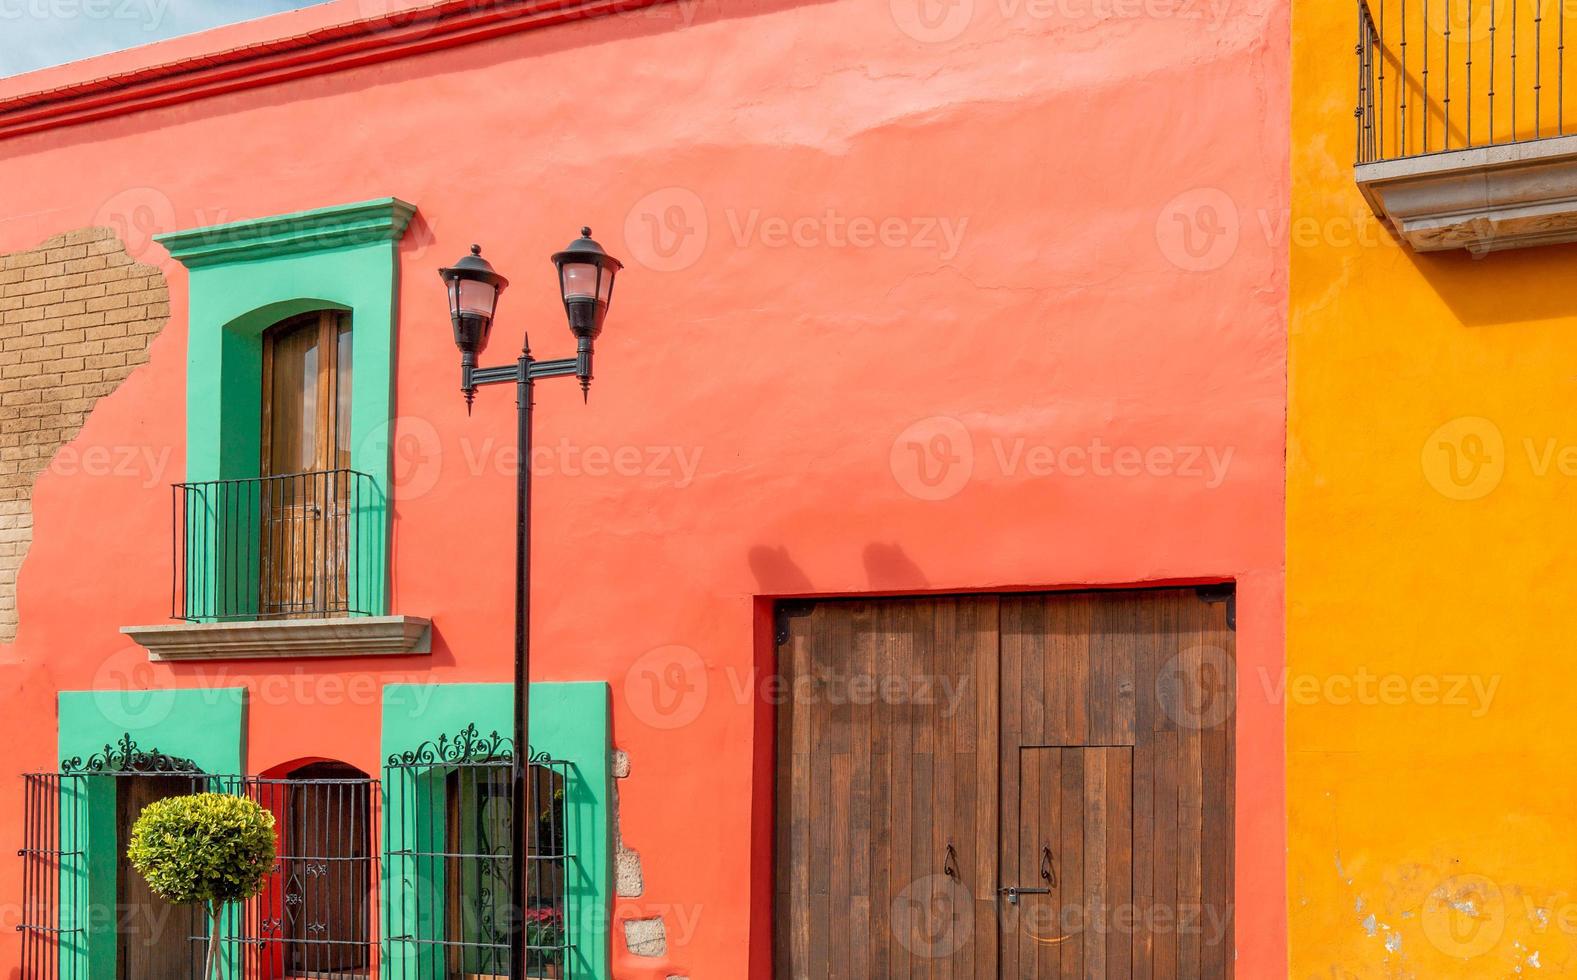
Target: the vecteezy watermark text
pixel 669 229
pixel 934 458
pixel 147 13
pixel 677 464
pixel 830 229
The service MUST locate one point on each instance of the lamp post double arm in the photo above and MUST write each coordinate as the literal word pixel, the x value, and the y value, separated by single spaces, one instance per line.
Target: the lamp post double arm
pixel 586 275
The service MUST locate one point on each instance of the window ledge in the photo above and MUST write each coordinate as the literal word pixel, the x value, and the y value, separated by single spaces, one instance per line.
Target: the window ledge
pixel 354 636
pixel 1485 199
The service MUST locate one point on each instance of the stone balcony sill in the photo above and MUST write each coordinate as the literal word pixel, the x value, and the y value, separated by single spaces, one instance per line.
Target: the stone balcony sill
pixel 352 636
pixel 1484 199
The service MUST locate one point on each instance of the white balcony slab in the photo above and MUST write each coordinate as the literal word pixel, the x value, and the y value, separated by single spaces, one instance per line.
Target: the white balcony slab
pixel 351 636
pixel 1485 199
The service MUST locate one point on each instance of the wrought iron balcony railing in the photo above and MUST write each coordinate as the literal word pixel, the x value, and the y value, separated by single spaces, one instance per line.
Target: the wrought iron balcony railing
pixel 1441 75
pixel 306 545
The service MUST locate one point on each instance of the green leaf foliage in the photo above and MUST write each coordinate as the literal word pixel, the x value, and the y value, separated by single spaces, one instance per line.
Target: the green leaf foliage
pixel 206 848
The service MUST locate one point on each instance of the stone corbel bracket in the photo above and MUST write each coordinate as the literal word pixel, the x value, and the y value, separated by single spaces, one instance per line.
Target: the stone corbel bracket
pixel 1485 199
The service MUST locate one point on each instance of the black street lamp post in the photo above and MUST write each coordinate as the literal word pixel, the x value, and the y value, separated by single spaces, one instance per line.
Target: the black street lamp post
pixel 586 274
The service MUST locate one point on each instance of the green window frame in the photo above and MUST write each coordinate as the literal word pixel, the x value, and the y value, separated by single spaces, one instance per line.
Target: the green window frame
pixel 206 727
pixel 569 722
pixel 243 278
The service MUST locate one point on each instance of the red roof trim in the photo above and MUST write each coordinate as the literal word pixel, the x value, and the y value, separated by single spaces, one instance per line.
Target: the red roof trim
pixel 361 42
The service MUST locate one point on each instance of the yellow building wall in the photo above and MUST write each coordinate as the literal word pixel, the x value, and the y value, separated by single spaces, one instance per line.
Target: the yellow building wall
pixel 1431 693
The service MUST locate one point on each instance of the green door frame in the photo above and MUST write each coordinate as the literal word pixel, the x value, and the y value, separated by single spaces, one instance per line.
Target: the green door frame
pixel 206 727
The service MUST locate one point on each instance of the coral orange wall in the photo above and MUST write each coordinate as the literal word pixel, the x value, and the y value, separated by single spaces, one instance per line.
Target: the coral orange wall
pixel 883 271
pixel 1429 578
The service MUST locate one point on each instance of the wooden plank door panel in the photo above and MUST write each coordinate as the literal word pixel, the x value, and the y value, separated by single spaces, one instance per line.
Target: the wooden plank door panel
pixel 1150 672
pixel 1073 854
pixel 887 804
pixel 1076 742
pixel 155 936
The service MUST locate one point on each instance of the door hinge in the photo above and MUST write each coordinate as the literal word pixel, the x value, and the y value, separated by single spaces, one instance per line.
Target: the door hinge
pixel 1225 592
pixel 784 612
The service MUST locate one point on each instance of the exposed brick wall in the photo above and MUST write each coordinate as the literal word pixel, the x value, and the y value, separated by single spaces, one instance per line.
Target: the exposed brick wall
pixel 76 316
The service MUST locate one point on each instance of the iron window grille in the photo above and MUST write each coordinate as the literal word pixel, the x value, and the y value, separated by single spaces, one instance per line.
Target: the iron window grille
pixel 304 545
pixel 59 913
pixel 317 916
pixel 450 858
pixel 49 859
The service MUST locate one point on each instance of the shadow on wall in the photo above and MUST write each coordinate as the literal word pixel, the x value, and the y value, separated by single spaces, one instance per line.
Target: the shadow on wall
pixel 1503 288
pixel 887 569
pixel 776 573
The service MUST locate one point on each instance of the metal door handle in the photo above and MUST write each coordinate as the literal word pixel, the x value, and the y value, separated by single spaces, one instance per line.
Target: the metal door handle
pixel 1048 871
pixel 1013 892
pixel 950 862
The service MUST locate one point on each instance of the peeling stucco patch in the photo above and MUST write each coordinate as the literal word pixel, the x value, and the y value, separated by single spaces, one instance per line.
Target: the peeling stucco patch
pixel 16 536
pixel 77 314
pixel 1370 922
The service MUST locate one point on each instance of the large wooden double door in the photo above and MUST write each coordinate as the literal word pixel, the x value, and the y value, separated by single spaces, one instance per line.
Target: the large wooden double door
pixel 995 787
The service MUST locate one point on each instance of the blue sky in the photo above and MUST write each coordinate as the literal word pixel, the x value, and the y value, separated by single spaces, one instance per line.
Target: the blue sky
pixel 39 33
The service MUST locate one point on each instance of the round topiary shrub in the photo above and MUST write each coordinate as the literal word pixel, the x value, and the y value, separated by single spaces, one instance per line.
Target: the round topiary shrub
pixel 208 849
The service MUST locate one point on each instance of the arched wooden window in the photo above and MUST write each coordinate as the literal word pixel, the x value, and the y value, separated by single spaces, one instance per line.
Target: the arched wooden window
pixel 305 464
pixel 306 387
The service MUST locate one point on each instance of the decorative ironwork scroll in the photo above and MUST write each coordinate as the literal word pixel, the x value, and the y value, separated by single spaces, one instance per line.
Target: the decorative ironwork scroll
pixel 467 746
pixel 127 756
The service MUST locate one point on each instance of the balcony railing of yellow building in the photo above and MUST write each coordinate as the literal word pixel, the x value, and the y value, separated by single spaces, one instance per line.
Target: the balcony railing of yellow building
pixel 304 545
pixel 1436 76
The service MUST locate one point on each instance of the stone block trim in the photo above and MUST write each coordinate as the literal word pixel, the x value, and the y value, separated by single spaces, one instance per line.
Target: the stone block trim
pixel 646 937
pixel 628 879
pixel 77 314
